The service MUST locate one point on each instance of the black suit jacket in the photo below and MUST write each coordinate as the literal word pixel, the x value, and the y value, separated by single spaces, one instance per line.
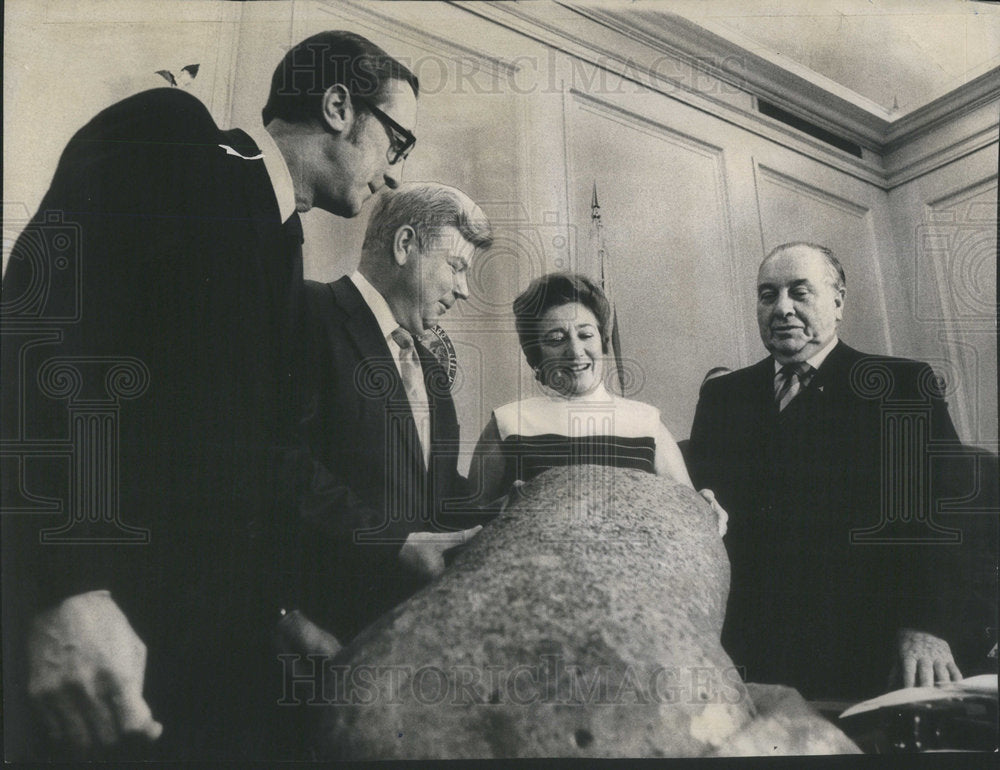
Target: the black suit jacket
pixel 151 319
pixel 830 529
pixel 362 430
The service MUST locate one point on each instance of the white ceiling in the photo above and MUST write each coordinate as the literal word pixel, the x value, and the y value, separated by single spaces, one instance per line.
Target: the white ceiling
pixel 887 56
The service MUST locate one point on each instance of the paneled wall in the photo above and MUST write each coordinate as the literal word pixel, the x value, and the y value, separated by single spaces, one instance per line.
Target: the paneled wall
pixel 945 226
pixel 526 107
pixel 65 61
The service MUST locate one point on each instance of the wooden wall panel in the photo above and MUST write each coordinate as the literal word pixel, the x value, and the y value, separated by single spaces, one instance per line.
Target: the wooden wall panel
pixel 797 209
pixel 692 194
pixel 960 242
pixel 945 228
pixel 665 212
pixel 65 62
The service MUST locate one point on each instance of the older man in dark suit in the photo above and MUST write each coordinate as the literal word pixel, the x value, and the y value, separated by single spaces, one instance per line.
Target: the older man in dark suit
pixel 820 454
pixel 165 339
pixel 384 422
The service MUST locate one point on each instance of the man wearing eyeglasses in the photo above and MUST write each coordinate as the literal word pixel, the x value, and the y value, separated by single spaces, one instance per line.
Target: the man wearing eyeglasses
pixel 180 549
pixel 343 145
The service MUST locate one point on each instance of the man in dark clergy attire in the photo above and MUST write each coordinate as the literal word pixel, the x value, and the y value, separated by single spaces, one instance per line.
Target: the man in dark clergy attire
pixel 152 314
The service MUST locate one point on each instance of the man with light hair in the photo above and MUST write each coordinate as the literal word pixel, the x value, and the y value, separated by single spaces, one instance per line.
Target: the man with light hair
pixel 384 422
pixel 831 586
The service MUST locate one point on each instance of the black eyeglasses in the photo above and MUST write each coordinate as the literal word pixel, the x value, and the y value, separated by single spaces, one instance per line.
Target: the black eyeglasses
pixel 401 141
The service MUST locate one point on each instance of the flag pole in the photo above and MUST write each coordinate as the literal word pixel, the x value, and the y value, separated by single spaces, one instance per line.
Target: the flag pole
pixel 597 234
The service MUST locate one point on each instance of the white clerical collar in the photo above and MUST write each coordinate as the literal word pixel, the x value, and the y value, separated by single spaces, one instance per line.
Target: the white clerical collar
pixel 387 322
pixel 277 170
pixel 817 359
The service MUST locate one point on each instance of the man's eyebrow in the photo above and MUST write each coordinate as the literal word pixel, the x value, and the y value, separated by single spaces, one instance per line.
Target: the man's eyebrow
pixel 791 284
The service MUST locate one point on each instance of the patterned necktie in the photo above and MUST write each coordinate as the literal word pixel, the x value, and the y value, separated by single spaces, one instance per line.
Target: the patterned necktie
pixel 791 378
pixel 416 392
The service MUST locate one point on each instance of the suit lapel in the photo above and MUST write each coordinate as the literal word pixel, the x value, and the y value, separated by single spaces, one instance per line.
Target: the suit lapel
pixel 266 219
pixel 836 369
pixel 373 350
pixel 832 379
pixel 278 261
pixel 444 429
pixel 829 384
pixel 444 423
pixel 361 325
pixel 762 385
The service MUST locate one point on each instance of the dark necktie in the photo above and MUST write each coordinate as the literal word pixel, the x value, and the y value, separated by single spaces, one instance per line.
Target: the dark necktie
pixel 790 379
pixel 293 228
pixel 286 275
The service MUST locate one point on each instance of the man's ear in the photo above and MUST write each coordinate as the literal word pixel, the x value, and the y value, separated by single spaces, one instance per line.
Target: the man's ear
pixel 403 244
pixel 838 303
pixel 338 112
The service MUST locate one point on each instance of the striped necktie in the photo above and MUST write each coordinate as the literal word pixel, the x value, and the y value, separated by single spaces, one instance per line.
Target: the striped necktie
pixel 789 380
pixel 416 392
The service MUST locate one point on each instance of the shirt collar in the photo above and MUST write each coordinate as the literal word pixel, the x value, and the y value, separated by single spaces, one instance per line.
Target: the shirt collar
pixel 817 359
pixel 277 170
pixel 387 322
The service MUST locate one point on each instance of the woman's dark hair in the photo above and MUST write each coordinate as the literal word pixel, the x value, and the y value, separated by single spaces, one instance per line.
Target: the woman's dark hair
pixel 553 290
pixel 326 59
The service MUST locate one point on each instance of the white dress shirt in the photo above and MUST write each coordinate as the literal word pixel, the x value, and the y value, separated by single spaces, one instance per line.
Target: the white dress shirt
pixel 816 361
pixel 277 170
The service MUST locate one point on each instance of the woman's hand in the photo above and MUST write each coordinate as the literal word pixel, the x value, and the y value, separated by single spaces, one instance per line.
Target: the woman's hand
pixel 423 552
pixel 721 516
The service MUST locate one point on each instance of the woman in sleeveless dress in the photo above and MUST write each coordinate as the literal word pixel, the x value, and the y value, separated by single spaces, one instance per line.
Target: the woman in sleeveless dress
pixel 564 325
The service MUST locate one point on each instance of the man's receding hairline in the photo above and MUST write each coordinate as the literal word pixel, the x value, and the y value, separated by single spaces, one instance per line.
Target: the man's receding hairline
pixel 831 272
pixel 786 248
